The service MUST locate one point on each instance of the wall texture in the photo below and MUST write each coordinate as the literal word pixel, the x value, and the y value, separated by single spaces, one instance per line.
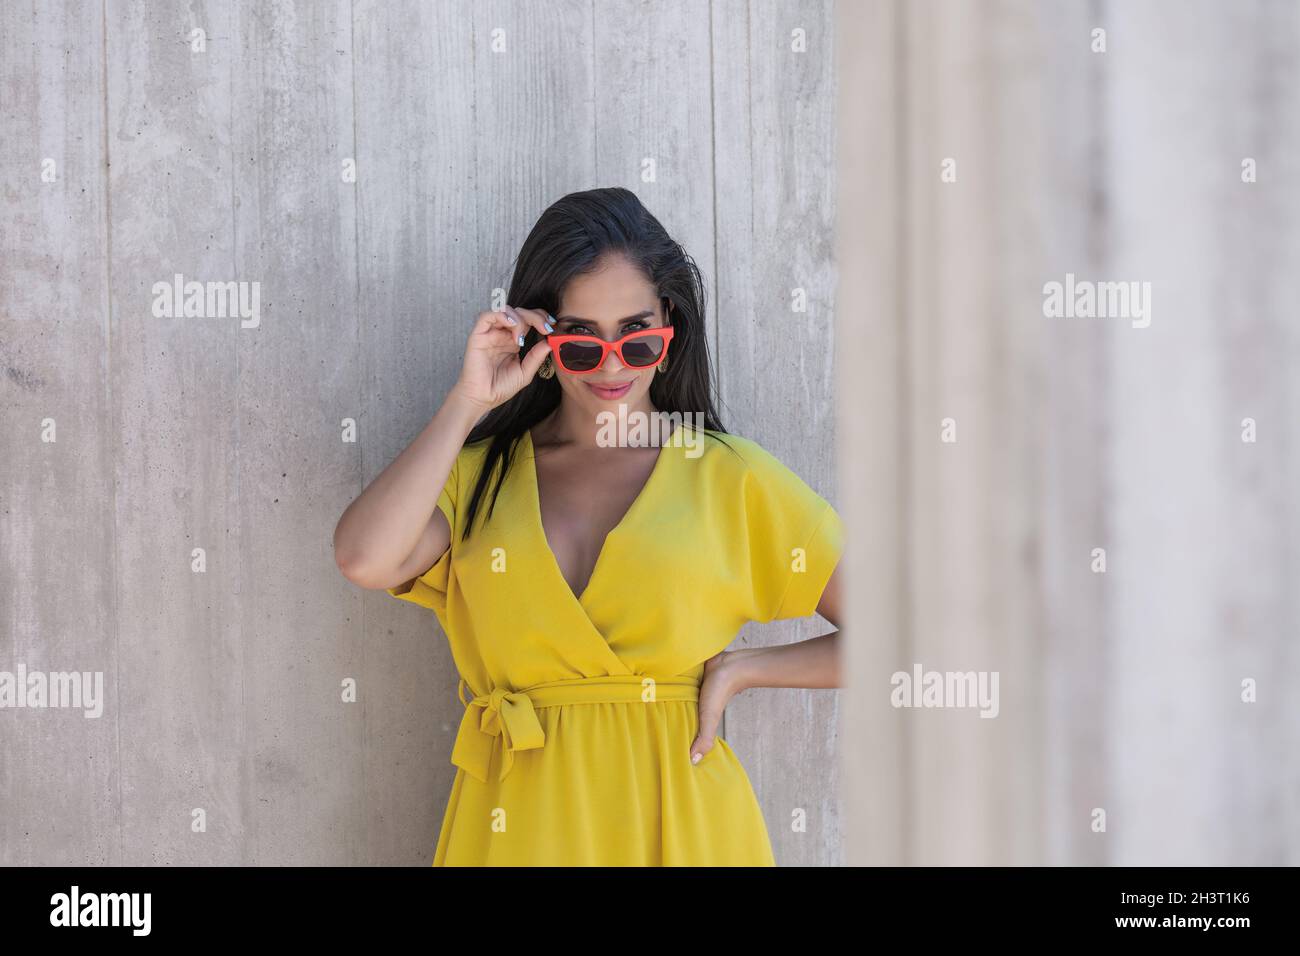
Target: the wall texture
pixel 1157 697
pixel 129 155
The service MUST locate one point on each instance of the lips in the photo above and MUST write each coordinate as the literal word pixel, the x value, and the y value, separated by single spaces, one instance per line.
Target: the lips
pixel 609 393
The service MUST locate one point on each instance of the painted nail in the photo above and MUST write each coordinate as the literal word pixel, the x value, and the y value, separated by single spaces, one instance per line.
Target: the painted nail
pixel 695 758
pixel 521 341
pixel 549 328
pixel 511 319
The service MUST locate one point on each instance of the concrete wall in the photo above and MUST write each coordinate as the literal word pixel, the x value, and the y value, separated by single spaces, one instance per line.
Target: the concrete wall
pixel 1125 694
pixel 196 443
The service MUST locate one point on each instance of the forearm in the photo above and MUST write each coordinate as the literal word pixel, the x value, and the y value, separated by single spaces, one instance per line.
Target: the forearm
pixel 810 663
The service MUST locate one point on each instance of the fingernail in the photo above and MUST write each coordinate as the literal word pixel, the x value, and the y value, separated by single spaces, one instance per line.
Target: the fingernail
pixel 695 758
pixel 511 319
pixel 549 328
pixel 521 341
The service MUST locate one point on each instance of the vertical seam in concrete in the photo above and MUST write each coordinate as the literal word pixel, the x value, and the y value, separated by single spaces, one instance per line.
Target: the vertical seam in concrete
pixel 749 153
pixel 1100 229
pixel 361 399
pixel 716 351
pixel 901 108
pixel 247 847
pixel 107 366
pixel 475 139
pixel 595 113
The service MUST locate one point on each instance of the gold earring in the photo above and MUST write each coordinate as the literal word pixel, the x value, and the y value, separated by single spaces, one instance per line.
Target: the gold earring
pixel 547 370
pixel 663 366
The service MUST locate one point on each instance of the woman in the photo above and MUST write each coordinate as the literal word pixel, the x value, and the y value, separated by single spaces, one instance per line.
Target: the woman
pixel 588 581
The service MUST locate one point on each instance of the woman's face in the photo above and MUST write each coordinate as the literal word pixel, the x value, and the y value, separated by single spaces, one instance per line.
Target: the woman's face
pixel 609 303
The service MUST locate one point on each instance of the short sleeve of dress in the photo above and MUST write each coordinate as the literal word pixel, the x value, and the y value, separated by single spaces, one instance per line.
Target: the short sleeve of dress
pixel 795 539
pixel 430 588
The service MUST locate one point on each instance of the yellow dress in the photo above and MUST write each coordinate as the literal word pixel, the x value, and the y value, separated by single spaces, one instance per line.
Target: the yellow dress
pixel 574 748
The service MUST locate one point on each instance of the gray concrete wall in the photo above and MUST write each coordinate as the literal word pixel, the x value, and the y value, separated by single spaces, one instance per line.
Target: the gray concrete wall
pixel 188 443
pixel 1120 692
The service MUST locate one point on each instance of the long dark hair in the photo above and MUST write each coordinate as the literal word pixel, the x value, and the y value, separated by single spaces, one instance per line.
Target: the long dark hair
pixel 568 240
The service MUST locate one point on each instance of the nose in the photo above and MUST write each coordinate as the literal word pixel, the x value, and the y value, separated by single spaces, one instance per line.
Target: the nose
pixel 612 364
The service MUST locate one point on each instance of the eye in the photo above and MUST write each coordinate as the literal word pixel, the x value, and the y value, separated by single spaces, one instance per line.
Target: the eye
pixel 577 328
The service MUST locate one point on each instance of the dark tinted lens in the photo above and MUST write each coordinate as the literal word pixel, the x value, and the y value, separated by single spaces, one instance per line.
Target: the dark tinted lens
pixel 642 352
pixel 580 356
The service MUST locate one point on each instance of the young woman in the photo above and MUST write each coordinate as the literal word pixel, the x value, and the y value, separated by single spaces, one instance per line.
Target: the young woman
pixel 588 583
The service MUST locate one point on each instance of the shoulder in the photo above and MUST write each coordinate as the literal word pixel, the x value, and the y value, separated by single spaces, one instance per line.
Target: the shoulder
pixel 737 455
pixel 759 479
pixel 475 450
pixel 740 467
pixel 469 460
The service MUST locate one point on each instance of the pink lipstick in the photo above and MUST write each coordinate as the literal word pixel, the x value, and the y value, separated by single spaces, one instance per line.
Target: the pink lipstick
pixel 609 394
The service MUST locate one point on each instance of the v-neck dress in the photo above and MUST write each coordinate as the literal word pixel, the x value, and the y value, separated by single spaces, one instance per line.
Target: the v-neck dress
pixel 574 747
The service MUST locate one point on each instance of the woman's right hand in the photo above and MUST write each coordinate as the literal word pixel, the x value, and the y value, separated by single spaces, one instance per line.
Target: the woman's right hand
pixel 493 372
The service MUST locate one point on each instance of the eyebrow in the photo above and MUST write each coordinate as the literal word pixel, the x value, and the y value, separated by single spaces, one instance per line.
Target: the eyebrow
pixel 631 318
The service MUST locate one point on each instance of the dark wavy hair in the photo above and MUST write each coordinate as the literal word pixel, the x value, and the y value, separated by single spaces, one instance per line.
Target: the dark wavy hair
pixel 569 240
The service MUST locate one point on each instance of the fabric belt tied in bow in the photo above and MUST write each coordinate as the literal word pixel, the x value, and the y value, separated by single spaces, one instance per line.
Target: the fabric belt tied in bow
pixel 502 713
pixel 508 716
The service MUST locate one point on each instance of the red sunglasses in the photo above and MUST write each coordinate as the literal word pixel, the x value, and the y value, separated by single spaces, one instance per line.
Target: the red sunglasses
pixel 582 354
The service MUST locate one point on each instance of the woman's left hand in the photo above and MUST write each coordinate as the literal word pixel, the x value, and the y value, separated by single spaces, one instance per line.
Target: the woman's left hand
pixel 720 683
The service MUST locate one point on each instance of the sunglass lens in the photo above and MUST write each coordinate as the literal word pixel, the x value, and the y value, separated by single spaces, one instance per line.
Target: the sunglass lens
pixel 579 356
pixel 642 352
